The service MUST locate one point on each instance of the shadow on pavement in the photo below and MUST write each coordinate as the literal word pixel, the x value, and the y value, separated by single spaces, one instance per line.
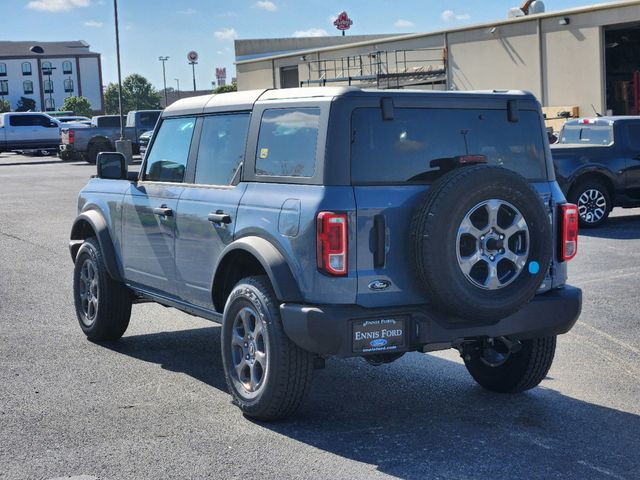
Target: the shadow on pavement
pixel 423 417
pixel 620 228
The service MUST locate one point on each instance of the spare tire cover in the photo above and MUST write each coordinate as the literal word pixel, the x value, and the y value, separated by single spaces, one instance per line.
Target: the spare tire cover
pixel 482 243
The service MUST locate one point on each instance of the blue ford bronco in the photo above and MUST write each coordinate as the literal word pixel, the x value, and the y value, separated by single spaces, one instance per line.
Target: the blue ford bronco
pixel 337 222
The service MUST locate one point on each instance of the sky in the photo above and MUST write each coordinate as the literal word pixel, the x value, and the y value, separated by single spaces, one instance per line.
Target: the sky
pixel 153 28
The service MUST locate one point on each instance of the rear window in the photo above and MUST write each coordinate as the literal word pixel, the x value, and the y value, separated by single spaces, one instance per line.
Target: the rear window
pixel 108 122
pixel 148 119
pixel 287 142
pixel 586 135
pixel 416 144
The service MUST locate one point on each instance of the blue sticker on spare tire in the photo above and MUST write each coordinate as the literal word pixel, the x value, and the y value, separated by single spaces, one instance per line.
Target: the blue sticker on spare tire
pixel 378 342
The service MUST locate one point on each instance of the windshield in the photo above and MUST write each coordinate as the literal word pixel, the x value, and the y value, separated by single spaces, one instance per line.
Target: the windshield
pixel 586 135
pixel 417 144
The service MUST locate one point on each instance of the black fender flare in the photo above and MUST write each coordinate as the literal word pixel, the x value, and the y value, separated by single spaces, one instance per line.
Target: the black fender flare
pixel 272 261
pixel 98 224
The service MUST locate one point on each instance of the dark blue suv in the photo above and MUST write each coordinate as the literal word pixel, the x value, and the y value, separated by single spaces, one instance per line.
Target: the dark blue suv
pixel 338 222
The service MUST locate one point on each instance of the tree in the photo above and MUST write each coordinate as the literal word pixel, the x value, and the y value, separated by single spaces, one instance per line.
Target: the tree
pixel 137 94
pixel 78 105
pixel 5 106
pixel 227 88
pixel 26 105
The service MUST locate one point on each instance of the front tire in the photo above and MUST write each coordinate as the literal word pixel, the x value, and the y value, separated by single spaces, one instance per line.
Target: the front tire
pixel 267 374
pixel 594 202
pixel 103 306
pixel 498 370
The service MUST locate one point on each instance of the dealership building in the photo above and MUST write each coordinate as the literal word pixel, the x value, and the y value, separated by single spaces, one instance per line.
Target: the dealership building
pixel 48 72
pixel 576 62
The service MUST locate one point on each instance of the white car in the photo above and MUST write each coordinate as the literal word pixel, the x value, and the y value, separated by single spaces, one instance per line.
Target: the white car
pixel 76 121
pixel 28 131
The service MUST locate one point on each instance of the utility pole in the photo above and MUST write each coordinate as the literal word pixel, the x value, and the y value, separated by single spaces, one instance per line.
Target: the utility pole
pixel 164 80
pixel 178 83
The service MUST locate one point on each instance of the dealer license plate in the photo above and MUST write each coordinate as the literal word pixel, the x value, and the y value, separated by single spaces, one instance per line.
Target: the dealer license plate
pixel 379 335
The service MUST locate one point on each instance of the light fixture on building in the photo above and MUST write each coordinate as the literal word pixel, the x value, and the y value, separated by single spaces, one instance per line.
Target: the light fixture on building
pixel 564 21
pixel 303 58
pixel 493 30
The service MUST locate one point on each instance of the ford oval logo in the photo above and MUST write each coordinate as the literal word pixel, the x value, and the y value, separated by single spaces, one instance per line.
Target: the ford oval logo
pixel 378 342
pixel 377 285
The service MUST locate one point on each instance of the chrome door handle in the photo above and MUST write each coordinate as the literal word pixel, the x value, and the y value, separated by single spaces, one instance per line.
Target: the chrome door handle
pixel 163 211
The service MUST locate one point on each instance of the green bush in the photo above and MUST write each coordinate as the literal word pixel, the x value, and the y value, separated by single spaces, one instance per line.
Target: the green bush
pixel 5 106
pixel 226 88
pixel 78 105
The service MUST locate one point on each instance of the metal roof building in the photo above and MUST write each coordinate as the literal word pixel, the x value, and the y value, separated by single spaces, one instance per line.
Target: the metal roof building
pixel 578 61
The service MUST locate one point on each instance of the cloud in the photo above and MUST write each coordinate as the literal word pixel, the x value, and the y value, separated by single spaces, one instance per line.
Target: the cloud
pixel 312 32
pixel 401 23
pixel 93 24
pixel 450 15
pixel 266 5
pixel 226 34
pixel 227 14
pixel 187 11
pixel 56 5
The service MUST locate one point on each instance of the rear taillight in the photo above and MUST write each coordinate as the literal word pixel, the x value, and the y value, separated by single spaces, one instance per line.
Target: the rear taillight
pixel 331 243
pixel 569 238
pixel 71 136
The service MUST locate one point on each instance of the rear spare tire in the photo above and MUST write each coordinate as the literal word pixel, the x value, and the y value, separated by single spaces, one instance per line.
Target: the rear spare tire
pixel 481 242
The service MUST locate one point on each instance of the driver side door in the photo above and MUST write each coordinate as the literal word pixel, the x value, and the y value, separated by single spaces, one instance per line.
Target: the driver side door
pixel 150 208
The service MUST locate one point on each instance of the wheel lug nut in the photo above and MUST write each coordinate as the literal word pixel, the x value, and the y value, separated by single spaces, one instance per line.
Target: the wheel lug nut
pixel 492 258
pixel 246 344
pixel 482 237
pixel 247 357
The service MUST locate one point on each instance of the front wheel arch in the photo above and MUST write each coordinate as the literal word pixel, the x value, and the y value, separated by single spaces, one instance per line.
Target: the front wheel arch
pixel 89 224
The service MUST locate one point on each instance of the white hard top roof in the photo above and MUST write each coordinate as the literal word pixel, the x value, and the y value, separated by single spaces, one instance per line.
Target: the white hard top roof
pixel 244 100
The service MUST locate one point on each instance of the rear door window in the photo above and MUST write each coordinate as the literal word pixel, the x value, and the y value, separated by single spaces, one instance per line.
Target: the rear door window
pixel 221 151
pixel 167 160
pixel 419 144
pixel 287 142
pixel 633 131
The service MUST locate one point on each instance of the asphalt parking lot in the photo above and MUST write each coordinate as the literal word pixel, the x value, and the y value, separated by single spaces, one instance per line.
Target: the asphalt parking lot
pixel 155 405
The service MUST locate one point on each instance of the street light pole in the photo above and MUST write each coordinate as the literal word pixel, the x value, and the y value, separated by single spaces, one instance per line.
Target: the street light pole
pixel 178 83
pixel 115 10
pixel 164 79
pixel 193 68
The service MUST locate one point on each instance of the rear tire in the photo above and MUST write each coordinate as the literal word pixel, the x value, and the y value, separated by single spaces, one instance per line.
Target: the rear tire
pixel 103 306
pixel 267 374
pixel 593 200
pixel 94 149
pixel 520 371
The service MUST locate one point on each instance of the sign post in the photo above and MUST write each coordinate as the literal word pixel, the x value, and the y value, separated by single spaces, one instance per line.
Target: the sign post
pixel 343 22
pixel 192 56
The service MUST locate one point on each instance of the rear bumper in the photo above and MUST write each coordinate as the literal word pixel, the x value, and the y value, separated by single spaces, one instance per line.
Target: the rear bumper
pixel 328 329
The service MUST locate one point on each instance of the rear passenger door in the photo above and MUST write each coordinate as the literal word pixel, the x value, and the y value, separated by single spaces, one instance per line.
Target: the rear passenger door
pixel 150 206
pixel 20 131
pixel 207 209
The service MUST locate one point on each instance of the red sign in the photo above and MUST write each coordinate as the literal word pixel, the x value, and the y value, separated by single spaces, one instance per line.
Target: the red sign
pixel 192 56
pixel 343 22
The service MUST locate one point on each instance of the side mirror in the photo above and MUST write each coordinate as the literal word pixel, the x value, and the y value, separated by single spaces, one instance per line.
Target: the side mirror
pixel 112 166
pixel 53 125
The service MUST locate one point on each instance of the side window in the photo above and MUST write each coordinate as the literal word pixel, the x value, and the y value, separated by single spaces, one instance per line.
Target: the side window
pixel 66 68
pixel 221 150
pixel 68 85
pixel 26 68
pixel 634 136
pixel 167 160
pixel 21 120
pixel 28 87
pixel 287 142
pixel 4 87
pixel 3 69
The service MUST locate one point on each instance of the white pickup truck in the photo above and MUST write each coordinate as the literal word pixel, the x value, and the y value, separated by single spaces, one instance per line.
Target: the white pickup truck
pixel 28 131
